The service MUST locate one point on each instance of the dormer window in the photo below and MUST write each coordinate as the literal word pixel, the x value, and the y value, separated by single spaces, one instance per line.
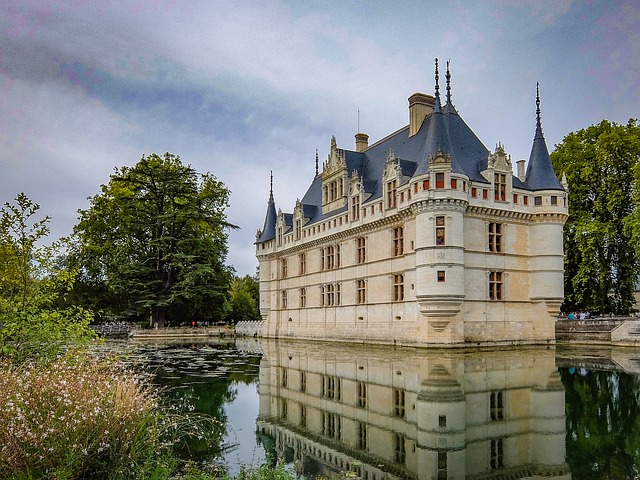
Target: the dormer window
pixel 500 187
pixel 392 191
pixel 355 207
pixel 440 180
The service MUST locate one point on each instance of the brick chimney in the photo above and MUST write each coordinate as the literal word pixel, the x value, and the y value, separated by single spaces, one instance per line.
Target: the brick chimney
pixel 362 142
pixel 420 105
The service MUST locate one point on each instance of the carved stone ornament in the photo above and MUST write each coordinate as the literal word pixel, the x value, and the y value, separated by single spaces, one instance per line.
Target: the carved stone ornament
pixel 335 161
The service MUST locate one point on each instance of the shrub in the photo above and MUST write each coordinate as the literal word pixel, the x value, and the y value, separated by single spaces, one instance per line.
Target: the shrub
pixel 77 417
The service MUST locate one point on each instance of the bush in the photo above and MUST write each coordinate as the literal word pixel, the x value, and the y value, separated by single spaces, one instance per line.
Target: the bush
pixel 77 417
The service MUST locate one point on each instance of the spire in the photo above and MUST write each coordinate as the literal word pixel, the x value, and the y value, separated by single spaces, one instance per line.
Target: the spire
pixel 540 174
pixel 448 75
pixel 269 230
pixel 437 104
pixel 316 162
pixel 271 186
pixel 539 133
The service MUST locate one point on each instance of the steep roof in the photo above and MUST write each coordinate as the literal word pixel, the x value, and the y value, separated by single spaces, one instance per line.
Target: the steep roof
pixel 443 130
pixel 540 173
pixel 269 228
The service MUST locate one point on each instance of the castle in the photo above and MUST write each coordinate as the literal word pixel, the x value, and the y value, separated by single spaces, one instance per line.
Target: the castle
pixel 423 238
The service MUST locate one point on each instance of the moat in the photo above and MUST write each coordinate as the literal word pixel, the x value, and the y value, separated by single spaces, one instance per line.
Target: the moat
pixel 408 413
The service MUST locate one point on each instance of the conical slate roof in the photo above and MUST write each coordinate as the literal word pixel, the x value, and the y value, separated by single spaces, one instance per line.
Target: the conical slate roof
pixel 540 173
pixel 269 229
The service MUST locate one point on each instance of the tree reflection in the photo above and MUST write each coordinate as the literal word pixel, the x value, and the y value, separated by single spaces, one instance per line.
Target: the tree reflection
pixel 603 429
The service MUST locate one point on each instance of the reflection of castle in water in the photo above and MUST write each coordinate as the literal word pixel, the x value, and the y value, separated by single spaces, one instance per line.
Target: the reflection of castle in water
pixel 419 414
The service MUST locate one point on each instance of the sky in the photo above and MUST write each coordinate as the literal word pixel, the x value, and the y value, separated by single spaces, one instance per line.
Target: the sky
pixel 239 89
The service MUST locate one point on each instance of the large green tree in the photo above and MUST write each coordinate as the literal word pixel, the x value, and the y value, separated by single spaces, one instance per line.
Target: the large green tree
pixel 32 323
pixel 154 242
pixel 244 299
pixel 601 166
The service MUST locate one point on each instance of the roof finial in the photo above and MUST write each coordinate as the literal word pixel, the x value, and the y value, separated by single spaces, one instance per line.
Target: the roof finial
pixel 316 162
pixel 448 83
pixel 271 187
pixel 538 119
pixel 437 105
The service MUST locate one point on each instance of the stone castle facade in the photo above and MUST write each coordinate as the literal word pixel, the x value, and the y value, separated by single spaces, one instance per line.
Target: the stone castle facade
pixel 423 238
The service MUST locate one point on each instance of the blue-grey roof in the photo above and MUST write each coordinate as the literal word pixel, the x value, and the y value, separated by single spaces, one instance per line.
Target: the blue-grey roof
pixel 444 131
pixel 540 173
pixel 269 229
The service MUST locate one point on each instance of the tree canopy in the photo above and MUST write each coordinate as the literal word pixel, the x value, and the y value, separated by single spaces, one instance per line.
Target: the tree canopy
pixel 153 243
pixel 601 164
pixel 32 323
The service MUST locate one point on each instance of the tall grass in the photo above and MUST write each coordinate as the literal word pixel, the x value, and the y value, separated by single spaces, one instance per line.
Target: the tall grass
pixel 77 417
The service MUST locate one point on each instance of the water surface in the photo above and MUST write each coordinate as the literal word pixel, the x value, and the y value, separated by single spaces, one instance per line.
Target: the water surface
pixel 409 413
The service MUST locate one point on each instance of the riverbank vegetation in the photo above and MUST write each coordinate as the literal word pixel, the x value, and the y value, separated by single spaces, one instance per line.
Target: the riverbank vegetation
pixel 602 236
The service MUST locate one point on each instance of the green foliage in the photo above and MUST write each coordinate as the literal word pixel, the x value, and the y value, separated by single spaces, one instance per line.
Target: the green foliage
pixel 78 417
pixel 154 241
pixel 32 325
pixel 601 164
pixel 599 444
pixel 244 301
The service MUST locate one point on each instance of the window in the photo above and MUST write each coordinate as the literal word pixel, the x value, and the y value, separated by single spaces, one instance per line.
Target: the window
pixel 495 285
pixel 392 188
pixel 331 425
pixel 525 200
pixel 442 466
pixel 399 452
pixel 337 297
pixel 283 268
pixel 362 394
pixel 495 237
pixel 474 192
pixel 362 435
pixel 303 297
pixel 497 453
pixel 303 263
pixel 303 381
pixel 303 415
pixel 284 299
pixel 500 187
pixel 442 421
pixel 439 180
pixel 485 193
pixel 454 184
pixel 515 198
pixel 331 257
pixel 361 250
pixel 398 402
pixel 355 207
pixel 554 200
pixel 398 287
pixel 284 377
pixel 361 292
pixel 280 236
pixel 537 200
pixel 331 387
pixel 425 185
pixel 298 229
pixel 440 230
pixel 333 191
pixel 496 405
pixel 398 241
pixel 284 408
pixel 441 276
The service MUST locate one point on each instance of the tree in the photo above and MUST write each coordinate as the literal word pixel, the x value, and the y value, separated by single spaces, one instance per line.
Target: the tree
pixel 244 293
pixel 154 242
pixel 601 264
pixel 32 325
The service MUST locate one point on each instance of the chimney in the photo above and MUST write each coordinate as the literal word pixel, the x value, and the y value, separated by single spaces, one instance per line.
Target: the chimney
pixel 420 105
pixel 520 168
pixel 362 142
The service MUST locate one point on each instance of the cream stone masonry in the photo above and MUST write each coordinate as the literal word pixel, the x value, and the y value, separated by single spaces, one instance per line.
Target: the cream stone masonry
pixel 423 238
pixel 413 413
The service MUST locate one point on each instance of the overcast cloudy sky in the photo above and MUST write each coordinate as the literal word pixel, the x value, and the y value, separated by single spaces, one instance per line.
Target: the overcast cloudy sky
pixel 239 88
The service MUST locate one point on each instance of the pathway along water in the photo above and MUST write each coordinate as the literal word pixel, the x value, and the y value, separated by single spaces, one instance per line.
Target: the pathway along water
pixel 409 413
